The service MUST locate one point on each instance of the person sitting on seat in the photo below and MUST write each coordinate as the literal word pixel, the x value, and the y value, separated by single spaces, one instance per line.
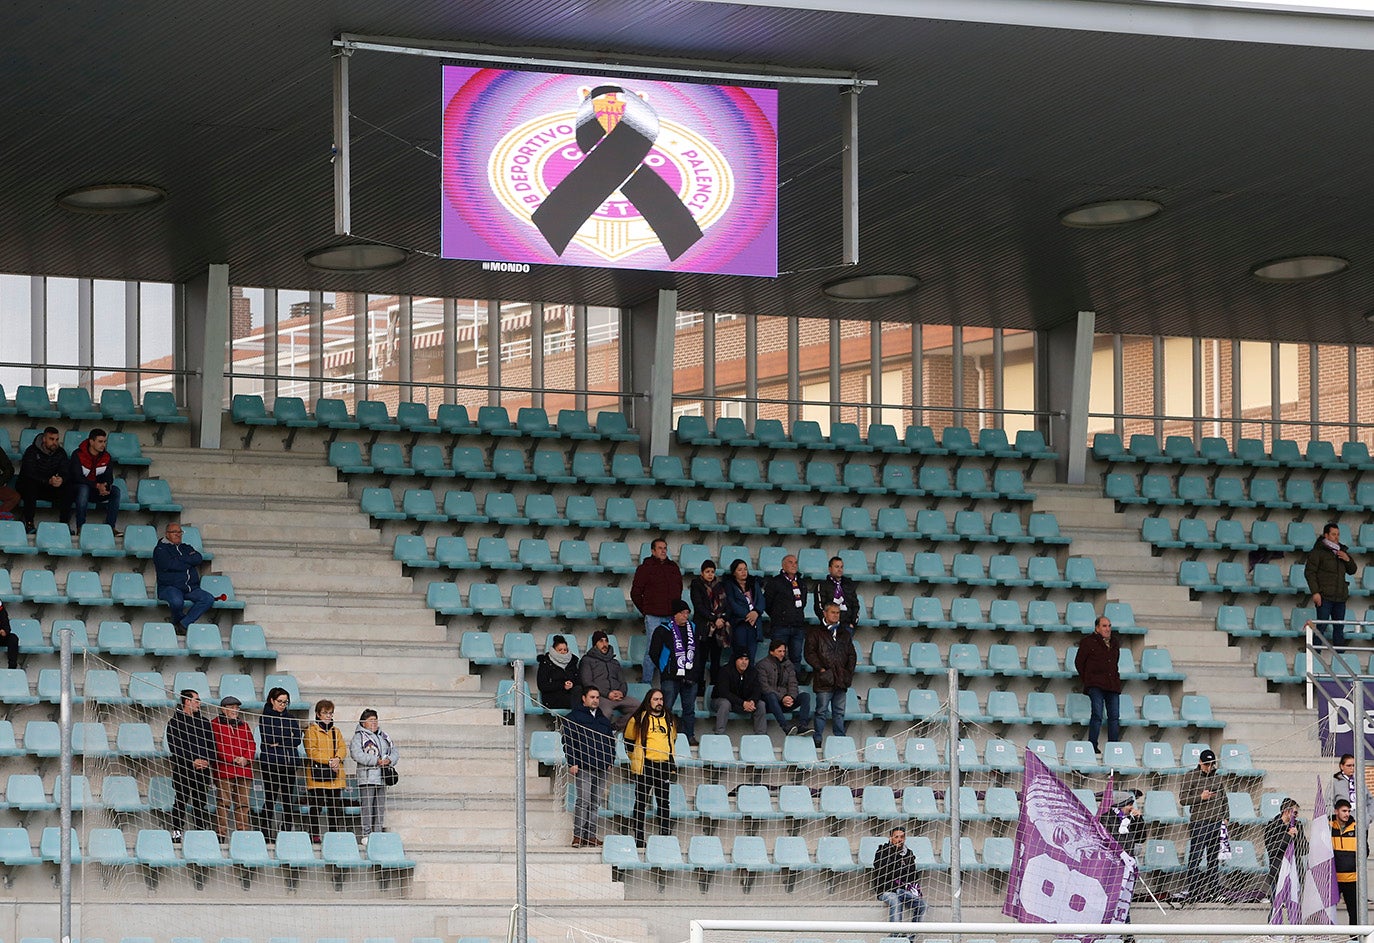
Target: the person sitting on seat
pixel 178 578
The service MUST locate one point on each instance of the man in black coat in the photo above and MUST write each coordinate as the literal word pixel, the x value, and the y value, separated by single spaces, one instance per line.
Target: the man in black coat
pixel 43 476
pixel 839 589
pixel 895 879
pixel 784 597
pixel 589 747
pixel 192 745
pixel 736 690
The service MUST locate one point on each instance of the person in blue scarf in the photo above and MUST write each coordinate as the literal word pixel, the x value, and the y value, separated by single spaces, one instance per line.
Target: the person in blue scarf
pixel 673 652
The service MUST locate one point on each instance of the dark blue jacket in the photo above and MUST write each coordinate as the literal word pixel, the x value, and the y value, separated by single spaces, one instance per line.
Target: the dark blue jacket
pixel 588 739
pixel 189 738
pixel 178 565
pixel 279 740
pixel 737 606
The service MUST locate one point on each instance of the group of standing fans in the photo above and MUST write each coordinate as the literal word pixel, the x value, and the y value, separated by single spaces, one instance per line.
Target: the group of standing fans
pixel 225 752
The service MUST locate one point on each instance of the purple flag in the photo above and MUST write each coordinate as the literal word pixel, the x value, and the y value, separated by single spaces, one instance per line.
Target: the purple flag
pixel 1319 889
pixel 1065 867
pixel 1287 898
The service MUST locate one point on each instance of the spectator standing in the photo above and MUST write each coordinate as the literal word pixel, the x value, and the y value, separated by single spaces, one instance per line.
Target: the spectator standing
pixel 589 747
pixel 785 598
pixel 1345 783
pixel 831 655
pixel 837 588
pixel 895 879
pixel 376 757
pixel 1202 793
pixel 1281 831
pixel 649 739
pixel 8 638
pixel 234 752
pixel 1328 568
pixel 657 583
pixel 1344 843
pixel 708 612
pixel 91 472
pixel 42 476
pixel 600 669
pixel 191 743
pixel 673 650
pixel 780 692
pixel 737 691
pixel 178 578
pixel 1125 821
pixel 9 498
pixel 557 676
pixel 743 607
pixel 279 741
pixel 1099 670
pixel 325 779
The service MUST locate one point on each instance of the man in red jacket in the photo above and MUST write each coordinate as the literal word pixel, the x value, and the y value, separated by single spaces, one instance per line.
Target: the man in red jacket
pixel 235 748
pixel 92 480
pixel 657 585
pixel 1098 669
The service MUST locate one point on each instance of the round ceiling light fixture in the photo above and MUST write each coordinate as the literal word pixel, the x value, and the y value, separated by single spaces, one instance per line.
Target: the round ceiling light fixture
pixel 1299 268
pixel 111 197
pixel 356 258
pixel 861 288
pixel 1107 213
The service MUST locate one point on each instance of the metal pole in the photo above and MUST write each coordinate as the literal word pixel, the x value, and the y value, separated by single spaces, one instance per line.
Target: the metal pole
pixel 64 786
pixel 343 175
pixel 849 160
pixel 1361 790
pixel 521 888
pixel 956 888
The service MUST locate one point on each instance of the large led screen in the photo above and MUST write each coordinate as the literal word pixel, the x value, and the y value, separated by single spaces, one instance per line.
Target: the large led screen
pixel 622 173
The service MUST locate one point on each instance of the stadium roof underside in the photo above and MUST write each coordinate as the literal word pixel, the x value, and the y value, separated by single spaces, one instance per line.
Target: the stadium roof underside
pixel 1252 128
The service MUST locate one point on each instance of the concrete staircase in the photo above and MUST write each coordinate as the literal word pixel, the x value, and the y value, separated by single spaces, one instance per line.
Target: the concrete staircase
pixel 1279 731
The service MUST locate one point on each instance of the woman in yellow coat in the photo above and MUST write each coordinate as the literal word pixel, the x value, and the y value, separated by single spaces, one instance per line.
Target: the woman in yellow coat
pixel 325 749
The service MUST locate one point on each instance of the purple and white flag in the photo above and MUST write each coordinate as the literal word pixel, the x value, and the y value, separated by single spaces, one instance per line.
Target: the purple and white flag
pixel 1287 897
pixel 1065 867
pixel 1319 887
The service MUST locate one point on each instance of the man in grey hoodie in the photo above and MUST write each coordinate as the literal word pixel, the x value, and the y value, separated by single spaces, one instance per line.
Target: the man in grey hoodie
pixel 601 670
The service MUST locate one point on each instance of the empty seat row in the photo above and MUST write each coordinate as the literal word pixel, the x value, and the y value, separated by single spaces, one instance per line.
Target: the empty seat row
pixel 1213 450
pixel 1232 492
pixel 54 539
pixel 1194 533
pixel 1267 621
pixel 925 754
pixel 159 406
pixel 797 803
pixel 157 639
pixel 1004 661
pixel 148 689
pixel 154 849
pixel 469 463
pixel 732 433
pixel 84 588
pixel 42 738
pixel 1232 576
pixel 124 447
pixel 450 418
pixel 1043 708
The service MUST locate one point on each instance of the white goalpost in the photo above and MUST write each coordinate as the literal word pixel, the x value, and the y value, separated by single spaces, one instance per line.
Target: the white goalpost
pixel 731 931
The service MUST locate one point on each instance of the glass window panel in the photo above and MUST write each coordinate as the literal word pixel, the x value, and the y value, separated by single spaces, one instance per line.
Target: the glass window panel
pixel 1293 387
pixel 15 319
pixel 603 358
pixel 1018 381
pixel 560 357
pixel 62 322
pixel 470 345
pixel 426 351
pixel 771 337
pixel 108 333
pixel 292 331
pixel 1333 391
pixel 337 348
pixel 937 375
pixel 156 335
pixel 247 312
pixel 815 405
pixel 517 340
pixel 896 355
pixel 979 380
pixel 1138 384
pixel 1101 396
pixel 856 365
pixel 1178 385
pixel 688 357
pixel 383 347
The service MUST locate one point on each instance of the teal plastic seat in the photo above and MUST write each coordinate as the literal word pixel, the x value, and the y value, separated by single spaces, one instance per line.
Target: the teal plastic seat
pixel 453 419
pixel 54 539
pixel 16 850
pixel 389 459
pixel 83 589
pixel 509 465
pixel 116 405
pixel 250 410
pixel 154 494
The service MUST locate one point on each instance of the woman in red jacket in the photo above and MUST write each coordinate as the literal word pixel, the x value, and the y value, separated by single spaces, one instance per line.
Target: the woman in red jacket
pixel 234 751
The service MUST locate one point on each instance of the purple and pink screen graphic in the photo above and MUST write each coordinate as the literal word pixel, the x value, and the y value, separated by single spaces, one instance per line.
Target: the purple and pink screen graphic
pixel 609 172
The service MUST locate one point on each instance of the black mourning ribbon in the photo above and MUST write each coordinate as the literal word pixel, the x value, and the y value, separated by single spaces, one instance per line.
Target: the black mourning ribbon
pixel 615 161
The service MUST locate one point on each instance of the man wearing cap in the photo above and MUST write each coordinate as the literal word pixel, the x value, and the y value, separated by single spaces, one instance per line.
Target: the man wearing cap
pixel 737 690
pixel 1206 800
pixel 1098 668
pixel 235 747
pixel 589 747
pixel 657 584
pixel 673 650
pixel 600 669
pixel 192 744
pixel 1125 822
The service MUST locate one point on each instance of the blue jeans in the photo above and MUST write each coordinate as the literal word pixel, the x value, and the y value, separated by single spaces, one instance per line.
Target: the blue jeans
pixel 915 905
pixel 1204 840
pixel 801 709
pixel 674 686
pixel 1111 702
pixel 174 596
pixel 745 638
pixel 830 704
pixel 1335 610
pixel 795 638
pixel 650 624
pixel 84 495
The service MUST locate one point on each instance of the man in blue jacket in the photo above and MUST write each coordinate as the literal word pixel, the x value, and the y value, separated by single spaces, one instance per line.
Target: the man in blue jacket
pixel 178 578
pixel 589 747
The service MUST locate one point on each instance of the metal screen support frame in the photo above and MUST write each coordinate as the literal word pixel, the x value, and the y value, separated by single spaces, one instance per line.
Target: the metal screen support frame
pixel 956 884
pixel 343 173
pixel 522 893
pixel 849 161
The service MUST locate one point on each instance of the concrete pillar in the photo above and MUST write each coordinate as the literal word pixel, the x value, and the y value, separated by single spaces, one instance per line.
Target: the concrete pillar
pixel 206 315
pixel 649 367
pixel 1067 391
